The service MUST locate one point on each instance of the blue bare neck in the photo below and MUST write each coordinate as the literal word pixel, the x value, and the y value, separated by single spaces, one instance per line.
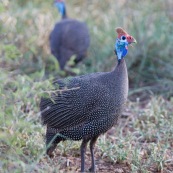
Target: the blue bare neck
pixel 61 8
pixel 121 49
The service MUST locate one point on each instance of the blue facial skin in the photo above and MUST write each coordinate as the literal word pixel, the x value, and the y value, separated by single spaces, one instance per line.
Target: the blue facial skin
pixel 121 48
pixel 61 7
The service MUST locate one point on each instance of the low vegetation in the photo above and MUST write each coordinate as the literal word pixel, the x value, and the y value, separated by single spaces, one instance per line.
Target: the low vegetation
pixel 142 141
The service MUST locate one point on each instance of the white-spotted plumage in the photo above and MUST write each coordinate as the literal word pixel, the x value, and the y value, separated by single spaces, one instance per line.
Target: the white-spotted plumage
pixel 91 109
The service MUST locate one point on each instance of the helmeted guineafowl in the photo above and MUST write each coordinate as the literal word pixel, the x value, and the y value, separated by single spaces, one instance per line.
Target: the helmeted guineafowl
pixel 69 37
pixel 86 106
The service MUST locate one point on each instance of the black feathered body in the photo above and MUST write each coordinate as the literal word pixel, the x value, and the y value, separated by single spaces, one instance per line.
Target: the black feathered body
pixel 69 37
pixel 87 105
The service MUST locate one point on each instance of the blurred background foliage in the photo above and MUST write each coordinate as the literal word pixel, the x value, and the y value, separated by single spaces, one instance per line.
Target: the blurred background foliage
pixel 25 28
pixel 26 65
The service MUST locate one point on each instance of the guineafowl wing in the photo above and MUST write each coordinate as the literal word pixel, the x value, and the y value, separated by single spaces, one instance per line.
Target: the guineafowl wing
pixel 73 104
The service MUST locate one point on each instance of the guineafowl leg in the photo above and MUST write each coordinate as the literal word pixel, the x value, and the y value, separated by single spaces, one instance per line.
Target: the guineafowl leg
pixel 83 150
pixel 92 145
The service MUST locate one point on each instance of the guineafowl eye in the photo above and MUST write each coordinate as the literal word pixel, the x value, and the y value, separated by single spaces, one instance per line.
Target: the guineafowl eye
pixel 123 37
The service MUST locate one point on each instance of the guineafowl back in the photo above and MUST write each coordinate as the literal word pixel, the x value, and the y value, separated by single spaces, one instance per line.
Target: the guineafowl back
pixel 69 37
pixel 86 105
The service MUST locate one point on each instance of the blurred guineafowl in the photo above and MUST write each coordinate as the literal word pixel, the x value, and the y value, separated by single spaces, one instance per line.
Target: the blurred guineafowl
pixel 86 106
pixel 69 37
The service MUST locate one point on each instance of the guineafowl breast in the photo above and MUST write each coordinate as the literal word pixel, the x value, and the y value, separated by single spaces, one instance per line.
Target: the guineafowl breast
pixel 85 99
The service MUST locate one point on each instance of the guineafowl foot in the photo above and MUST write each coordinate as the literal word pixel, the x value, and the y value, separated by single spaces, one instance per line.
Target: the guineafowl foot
pixel 92 170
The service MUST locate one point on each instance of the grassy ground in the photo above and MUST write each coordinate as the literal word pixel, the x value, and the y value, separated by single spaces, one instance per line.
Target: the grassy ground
pixel 142 141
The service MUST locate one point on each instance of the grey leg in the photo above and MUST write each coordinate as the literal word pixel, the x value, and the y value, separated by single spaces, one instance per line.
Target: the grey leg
pixel 92 145
pixel 83 150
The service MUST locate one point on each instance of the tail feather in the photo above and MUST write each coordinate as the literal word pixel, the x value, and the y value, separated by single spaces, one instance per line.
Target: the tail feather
pixel 44 106
pixel 52 139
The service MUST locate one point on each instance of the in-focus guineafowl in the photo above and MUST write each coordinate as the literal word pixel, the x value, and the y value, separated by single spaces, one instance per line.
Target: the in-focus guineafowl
pixel 86 106
pixel 69 37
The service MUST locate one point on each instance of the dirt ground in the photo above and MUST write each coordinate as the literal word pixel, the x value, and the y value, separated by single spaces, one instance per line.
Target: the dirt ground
pixel 72 164
pixel 70 161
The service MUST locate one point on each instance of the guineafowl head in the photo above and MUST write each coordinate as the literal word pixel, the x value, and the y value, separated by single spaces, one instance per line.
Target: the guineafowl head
pixel 122 42
pixel 60 5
